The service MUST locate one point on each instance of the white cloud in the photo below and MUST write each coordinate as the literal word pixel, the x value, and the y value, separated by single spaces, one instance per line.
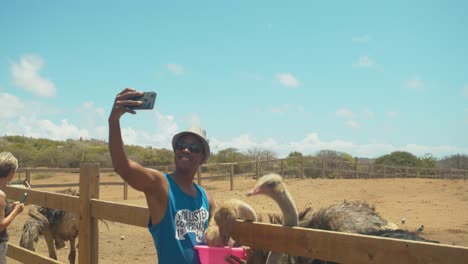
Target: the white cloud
pixel 466 115
pixel 414 83
pixel 344 112
pixel 175 68
pixel 26 76
pixel 465 91
pixel 281 109
pixel 312 143
pixel 242 142
pixel 439 151
pixel 166 127
pixel 288 80
pixel 393 114
pixel 277 110
pixel 362 39
pixel 11 106
pixel 364 62
pixel 90 108
pixel 300 109
pixel 92 119
pixel 352 124
pixel 158 133
pixel 42 128
pixel 368 113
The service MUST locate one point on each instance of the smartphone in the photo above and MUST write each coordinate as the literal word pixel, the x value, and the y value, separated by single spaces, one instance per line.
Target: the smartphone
pixel 147 99
pixel 25 195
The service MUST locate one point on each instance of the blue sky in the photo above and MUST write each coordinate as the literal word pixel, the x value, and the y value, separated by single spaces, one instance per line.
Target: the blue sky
pixel 362 77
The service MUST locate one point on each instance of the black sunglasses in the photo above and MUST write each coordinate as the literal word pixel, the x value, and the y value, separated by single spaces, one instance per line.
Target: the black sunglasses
pixel 194 148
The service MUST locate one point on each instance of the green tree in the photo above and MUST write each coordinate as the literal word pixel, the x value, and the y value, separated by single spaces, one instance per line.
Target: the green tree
pixel 458 161
pixel 228 155
pixel 295 154
pixel 258 153
pixel 428 160
pixel 336 155
pixel 399 158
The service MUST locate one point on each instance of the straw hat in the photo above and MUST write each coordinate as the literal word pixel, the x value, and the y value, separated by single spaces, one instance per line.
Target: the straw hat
pixel 200 134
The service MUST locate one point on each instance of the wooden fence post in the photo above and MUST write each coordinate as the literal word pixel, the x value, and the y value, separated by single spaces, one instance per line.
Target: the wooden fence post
pixel 89 232
pixel 95 179
pixel 261 169
pixel 125 190
pixel 339 169
pixel 302 168
pixel 282 168
pixel 231 176
pixel 384 172
pixel 356 167
pixel 28 176
pixel 323 168
pixel 256 169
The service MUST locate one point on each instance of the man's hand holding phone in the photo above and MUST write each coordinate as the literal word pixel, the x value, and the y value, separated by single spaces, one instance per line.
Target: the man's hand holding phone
pixel 147 101
pixel 129 100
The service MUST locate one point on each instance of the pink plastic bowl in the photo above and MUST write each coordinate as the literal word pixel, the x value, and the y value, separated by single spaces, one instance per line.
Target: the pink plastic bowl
pixel 216 255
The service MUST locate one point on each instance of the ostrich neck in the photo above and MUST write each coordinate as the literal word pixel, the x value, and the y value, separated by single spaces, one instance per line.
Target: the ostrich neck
pixel 288 208
pixel 274 258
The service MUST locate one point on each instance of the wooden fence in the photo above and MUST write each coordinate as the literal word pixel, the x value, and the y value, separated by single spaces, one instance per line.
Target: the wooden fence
pixel 325 245
pixel 306 167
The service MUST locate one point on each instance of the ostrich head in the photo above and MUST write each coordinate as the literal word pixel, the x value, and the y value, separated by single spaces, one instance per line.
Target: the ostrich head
pixel 225 218
pixel 270 185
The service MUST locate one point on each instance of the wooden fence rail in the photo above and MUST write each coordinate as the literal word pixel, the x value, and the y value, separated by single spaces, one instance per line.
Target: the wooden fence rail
pixel 25 256
pixel 344 247
pixel 308 167
pixel 325 245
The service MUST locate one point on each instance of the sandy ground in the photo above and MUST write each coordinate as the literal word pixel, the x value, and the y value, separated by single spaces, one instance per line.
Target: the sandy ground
pixel 441 205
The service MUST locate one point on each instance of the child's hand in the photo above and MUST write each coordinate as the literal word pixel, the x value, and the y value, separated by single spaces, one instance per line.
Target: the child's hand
pixel 14 204
pixel 17 207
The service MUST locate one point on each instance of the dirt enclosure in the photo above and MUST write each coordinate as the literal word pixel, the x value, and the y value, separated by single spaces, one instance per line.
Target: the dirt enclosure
pixel 441 205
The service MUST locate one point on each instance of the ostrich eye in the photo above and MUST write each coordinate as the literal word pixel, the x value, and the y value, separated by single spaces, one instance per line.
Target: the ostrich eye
pixel 270 184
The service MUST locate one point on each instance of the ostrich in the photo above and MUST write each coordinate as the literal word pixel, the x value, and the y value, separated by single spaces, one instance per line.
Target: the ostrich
pixel 53 225
pixel 351 217
pixel 272 186
pixel 218 232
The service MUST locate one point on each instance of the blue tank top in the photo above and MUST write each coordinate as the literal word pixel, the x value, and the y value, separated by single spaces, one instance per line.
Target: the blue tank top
pixel 182 226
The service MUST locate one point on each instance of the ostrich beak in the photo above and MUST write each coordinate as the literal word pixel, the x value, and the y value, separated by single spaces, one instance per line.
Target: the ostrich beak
pixel 251 192
pixel 254 191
